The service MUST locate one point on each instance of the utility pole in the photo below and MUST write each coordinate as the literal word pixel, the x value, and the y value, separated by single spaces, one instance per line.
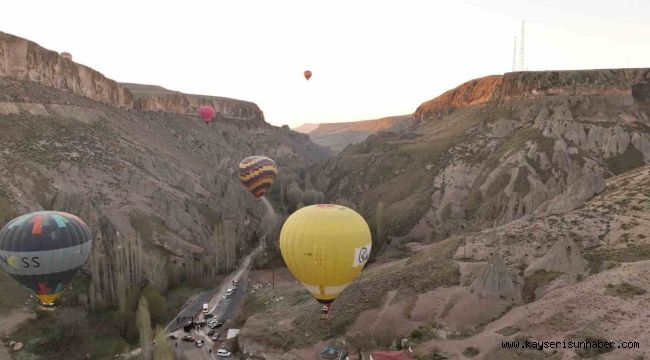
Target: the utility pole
pixel 521 50
pixel 514 56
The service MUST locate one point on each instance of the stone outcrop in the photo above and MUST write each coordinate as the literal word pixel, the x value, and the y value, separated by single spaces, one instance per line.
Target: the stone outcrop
pixel 496 280
pixel 569 82
pixel 187 104
pixel 474 92
pixel 563 257
pixel 24 59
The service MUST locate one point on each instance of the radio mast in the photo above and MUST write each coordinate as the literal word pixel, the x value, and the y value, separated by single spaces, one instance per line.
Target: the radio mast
pixel 514 56
pixel 521 49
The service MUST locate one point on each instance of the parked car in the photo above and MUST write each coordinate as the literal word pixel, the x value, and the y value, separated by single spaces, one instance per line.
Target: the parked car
pixel 205 308
pixel 215 324
pixel 188 338
pixel 173 337
pixel 228 293
pixel 211 332
pixel 199 343
pixel 208 316
pixel 188 326
pixel 216 336
pixel 223 353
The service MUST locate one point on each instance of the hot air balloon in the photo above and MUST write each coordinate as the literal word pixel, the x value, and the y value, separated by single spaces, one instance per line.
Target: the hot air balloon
pixel 325 247
pixel 43 250
pixel 307 75
pixel 257 173
pixel 206 113
pixel 66 55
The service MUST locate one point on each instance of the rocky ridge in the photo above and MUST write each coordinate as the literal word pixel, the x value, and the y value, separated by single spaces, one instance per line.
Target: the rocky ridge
pixel 336 136
pixel 496 149
pixel 26 60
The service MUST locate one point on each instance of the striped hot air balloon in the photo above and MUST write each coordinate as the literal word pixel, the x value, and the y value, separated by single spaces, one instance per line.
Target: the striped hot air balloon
pixel 257 173
pixel 43 250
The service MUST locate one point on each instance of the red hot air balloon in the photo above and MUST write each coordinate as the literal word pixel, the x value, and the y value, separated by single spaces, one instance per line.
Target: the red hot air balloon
pixel 206 113
pixel 307 75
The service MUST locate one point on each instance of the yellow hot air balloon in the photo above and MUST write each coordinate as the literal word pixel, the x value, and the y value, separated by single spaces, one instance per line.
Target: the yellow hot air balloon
pixel 325 247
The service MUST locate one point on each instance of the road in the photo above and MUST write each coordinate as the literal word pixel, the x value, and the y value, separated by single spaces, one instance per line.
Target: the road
pixel 222 309
pixel 190 310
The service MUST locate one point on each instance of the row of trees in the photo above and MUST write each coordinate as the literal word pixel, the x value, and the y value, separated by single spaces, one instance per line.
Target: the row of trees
pixel 293 197
pixel 124 269
pixel 161 349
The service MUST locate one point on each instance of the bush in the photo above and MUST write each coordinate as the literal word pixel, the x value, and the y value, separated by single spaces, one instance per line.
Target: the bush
pixel 471 351
pixel 293 196
pixel 312 197
pixel 157 304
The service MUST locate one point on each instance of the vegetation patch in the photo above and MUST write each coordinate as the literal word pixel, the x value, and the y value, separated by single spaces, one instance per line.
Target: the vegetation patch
pixel 508 330
pixel 7 211
pixel 608 258
pixel 624 290
pixel 424 333
pixel 630 159
pixel 471 351
pixel 536 280
pixel 60 334
pixel 12 295
pixel 178 297
pixel 593 351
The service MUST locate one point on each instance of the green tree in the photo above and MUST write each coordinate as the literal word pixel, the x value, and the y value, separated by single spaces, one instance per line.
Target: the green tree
pixel 143 322
pixel 311 197
pixel 157 304
pixel 163 349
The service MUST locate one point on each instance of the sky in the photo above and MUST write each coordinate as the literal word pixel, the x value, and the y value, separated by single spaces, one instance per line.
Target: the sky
pixel 369 58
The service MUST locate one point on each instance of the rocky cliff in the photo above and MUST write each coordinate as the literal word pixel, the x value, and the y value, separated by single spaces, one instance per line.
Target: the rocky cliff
pixel 73 140
pixel 24 59
pixel 496 149
pixel 155 98
pixel 164 174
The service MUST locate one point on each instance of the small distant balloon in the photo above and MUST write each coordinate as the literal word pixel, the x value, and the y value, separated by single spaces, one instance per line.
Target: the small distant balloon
pixel 307 75
pixel 66 55
pixel 206 113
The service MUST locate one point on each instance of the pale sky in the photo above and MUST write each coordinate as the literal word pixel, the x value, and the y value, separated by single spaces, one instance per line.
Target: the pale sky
pixel 369 58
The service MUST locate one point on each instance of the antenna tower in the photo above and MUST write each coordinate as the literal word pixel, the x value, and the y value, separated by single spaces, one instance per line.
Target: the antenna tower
pixel 521 49
pixel 514 56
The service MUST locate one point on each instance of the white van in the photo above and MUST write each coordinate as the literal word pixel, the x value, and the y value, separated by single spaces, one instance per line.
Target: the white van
pixel 205 308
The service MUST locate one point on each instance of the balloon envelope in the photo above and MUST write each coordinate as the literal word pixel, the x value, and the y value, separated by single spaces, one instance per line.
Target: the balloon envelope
pixel 206 113
pixel 307 75
pixel 257 174
pixel 325 247
pixel 43 251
